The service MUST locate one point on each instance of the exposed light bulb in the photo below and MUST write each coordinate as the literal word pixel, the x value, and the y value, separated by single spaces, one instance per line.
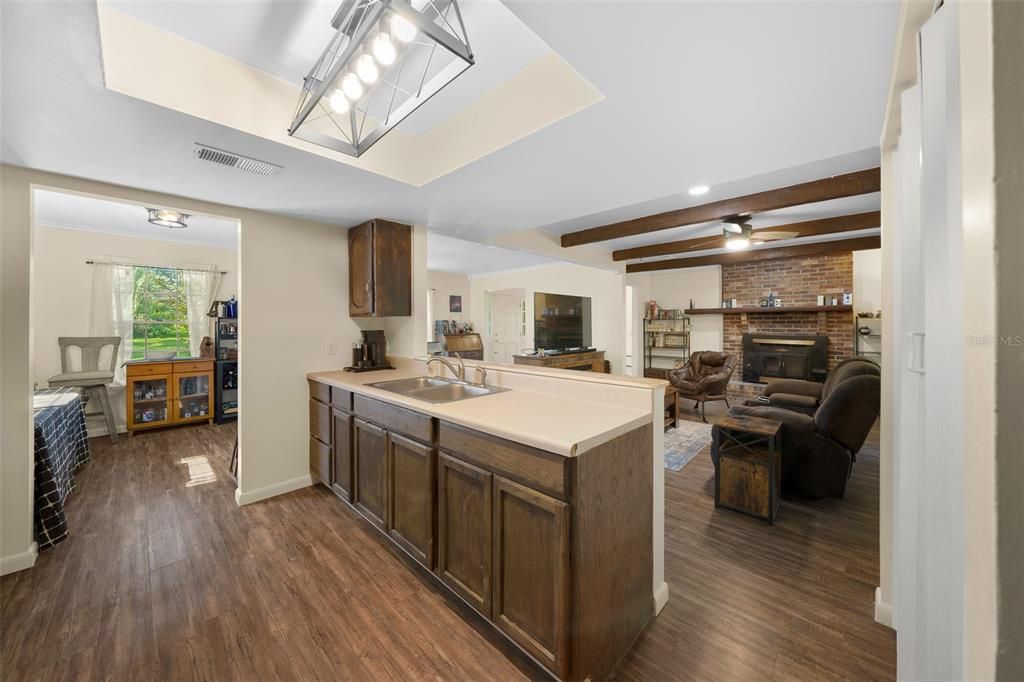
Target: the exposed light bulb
pixel 402 28
pixel 367 69
pixel 383 49
pixel 351 86
pixel 737 243
pixel 339 102
pixel 698 190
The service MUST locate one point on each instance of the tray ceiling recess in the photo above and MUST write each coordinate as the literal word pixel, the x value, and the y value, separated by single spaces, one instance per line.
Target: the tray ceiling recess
pixel 517 85
pixel 384 60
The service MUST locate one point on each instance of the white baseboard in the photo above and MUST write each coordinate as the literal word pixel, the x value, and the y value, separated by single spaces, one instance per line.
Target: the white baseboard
pixel 19 562
pixel 274 490
pixel 883 611
pixel 660 598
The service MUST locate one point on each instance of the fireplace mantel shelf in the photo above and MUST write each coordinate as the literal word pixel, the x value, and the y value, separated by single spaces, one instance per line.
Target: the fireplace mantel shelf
pixel 780 309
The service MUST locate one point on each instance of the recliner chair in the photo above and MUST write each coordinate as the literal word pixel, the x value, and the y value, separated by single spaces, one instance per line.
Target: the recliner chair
pixel 805 396
pixel 818 451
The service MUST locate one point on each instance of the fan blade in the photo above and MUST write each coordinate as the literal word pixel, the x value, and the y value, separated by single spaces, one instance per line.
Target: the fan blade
pixel 770 235
pixel 709 243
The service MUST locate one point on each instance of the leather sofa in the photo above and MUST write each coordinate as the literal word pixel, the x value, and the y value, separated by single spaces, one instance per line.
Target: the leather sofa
pixel 818 450
pixel 806 396
pixel 704 377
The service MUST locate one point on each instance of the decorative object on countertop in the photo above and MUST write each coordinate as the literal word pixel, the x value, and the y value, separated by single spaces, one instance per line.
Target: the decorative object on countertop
pixel 684 442
pixel 61 447
pixel 88 362
pixel 380 65
pixel 207 351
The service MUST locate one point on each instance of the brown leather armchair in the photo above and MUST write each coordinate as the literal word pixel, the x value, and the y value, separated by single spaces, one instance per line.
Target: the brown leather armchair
pixel 704 377
pixel 806 396
pixel 818 451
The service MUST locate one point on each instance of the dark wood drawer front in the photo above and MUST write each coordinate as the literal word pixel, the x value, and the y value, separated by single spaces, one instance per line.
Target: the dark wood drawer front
pixel 538 469
pixel 397 419
pixel 320 421
pixel 341 399
pixel 319 461
pixel 319 391
pixel 411 497
pixel 464 530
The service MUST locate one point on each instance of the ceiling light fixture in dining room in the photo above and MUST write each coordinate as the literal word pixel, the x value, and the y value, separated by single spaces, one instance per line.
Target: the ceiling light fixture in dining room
pixel 386 58
pixel 167 218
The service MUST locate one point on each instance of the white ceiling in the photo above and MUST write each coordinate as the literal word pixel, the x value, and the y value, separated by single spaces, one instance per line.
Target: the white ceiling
pixel 719 93
pixel 447 254
pixel 79 212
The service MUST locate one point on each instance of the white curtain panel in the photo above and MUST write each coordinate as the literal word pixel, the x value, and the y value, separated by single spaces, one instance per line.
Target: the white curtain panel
pixel 113 304
pixel 201 289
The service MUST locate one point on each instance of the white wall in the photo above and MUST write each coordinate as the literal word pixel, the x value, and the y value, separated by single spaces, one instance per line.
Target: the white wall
pixel 445 284
pixel 605 288
pixel 62 289
pixel 295 307
pixel 867 280
pixel 675 288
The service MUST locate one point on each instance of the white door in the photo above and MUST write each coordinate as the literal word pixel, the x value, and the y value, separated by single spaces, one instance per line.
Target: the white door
pixel 506 326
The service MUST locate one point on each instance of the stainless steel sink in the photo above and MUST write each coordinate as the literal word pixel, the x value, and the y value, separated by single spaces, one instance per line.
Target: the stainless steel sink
pixel 436 390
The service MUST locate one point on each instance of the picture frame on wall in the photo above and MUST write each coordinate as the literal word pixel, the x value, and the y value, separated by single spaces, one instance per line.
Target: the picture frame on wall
pixel 455 304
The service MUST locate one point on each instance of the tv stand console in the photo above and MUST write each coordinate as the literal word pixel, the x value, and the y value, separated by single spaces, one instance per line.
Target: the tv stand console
pixel 590 361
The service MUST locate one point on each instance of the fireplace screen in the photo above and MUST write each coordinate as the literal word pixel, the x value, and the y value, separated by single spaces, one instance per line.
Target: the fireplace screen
pixel 784 356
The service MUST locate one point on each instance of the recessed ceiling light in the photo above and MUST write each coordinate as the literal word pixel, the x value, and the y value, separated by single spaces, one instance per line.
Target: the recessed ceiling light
pixel 165 218
pixel 698 190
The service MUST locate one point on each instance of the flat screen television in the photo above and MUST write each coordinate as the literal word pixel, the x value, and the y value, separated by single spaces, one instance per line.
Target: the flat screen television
pixel 560 321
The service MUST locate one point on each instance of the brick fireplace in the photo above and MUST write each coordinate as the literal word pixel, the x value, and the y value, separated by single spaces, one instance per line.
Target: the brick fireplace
pixel 797 281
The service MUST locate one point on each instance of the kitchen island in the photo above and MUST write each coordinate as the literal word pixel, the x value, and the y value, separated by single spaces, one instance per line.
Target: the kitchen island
pixel 535 505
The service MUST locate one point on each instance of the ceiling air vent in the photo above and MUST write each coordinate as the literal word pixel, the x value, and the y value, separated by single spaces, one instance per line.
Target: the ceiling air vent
pixel 243 163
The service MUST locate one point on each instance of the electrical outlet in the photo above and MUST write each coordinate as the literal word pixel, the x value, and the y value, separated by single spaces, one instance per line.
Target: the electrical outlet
pixel 332 349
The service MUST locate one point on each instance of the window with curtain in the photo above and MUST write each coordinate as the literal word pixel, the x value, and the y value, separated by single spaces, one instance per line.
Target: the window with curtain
pixel 153 308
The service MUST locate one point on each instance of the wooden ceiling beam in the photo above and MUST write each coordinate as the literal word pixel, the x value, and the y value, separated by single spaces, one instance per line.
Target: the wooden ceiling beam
pixel 835 187
pixel 795 251
pixel 808 228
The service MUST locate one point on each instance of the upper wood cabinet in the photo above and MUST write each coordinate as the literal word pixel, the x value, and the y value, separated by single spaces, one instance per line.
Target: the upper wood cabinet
pixel 380 269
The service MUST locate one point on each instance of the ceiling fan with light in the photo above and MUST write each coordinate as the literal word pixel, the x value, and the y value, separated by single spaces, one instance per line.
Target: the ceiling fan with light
pixel 739 235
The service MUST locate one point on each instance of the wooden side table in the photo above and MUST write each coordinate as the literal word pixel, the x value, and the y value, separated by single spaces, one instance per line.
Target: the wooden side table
pixel 671 407
pixel 748 469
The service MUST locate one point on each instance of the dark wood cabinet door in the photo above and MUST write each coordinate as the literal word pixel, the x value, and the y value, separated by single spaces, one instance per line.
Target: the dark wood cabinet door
pixel 342 446
pixel 370 471
pixel 411 497
pixel 360 270
pixel 464 544
pixel 531 572
pixel 392 269
pixel 319 461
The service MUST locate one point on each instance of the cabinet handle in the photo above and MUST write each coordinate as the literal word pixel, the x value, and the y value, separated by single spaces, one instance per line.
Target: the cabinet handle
pixel 912 355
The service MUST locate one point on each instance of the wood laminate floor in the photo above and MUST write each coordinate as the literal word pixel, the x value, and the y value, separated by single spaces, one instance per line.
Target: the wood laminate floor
pixel 164 577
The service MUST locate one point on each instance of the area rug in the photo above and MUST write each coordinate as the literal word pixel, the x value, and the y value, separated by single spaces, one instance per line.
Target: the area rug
pixel 684 442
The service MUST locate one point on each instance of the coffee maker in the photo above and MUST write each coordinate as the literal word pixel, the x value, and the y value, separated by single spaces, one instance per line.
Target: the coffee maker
pixel 371 354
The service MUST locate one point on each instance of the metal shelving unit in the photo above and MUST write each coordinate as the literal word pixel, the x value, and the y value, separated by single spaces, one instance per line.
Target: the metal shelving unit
pixel 666 341
pixel 226 374
pixel 867 338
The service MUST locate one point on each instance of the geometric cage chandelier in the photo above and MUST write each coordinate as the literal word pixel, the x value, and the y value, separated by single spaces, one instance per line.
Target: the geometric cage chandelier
pixel 386 58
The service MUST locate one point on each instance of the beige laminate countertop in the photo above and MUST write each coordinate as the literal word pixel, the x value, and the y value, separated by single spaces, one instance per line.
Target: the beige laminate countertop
pixel 564 426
